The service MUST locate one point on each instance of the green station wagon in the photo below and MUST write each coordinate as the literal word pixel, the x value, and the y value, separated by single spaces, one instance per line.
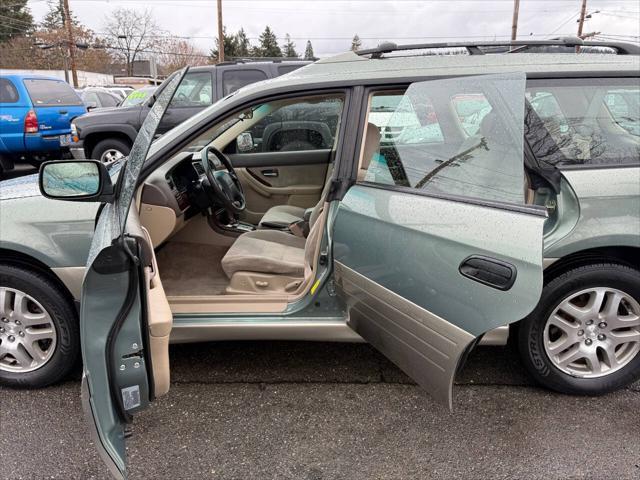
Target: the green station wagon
pixel 422 203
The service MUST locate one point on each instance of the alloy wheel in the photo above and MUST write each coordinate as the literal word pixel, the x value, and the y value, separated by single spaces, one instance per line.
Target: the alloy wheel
pixel 593 332
pixel 27 333
pixel 111 155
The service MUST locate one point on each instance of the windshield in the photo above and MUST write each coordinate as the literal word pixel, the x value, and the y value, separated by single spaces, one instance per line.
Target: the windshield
pixel 138 97
pixel 51 93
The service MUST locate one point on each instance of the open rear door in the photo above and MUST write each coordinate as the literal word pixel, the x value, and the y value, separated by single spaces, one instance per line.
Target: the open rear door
pixel 431 250
pixel 125 319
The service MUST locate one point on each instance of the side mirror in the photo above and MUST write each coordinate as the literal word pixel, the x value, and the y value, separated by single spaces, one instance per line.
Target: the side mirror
pixel 244 142
pixel 76 180
pixel 91 106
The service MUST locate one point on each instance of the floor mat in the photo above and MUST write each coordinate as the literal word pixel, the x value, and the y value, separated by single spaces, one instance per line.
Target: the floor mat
pixel 191 269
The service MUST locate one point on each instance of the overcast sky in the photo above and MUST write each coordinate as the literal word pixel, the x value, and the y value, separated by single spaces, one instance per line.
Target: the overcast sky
pixel 330 24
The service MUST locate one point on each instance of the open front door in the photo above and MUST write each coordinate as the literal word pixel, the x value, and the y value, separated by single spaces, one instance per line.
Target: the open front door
pixel 125 319
pixel 434 245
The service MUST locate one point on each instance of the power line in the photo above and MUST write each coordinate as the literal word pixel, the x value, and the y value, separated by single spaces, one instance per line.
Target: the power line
pixel 16 21
pixel 565 22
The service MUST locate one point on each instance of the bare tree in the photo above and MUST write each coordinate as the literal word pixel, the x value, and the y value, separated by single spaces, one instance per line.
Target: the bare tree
pixel 45 49
pixel 178 53
pixel 132 34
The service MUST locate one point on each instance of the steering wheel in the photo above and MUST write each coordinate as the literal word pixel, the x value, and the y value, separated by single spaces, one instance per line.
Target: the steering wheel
pixel 224 185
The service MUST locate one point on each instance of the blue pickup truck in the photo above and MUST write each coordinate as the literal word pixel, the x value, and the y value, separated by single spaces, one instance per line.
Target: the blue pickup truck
pixel 35 118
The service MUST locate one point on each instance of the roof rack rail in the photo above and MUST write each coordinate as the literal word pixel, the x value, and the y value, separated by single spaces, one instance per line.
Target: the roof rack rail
pixel 236 60
pixel 474 48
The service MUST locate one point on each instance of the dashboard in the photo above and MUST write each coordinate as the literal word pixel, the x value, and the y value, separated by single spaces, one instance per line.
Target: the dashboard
pixel 170 184
pixel 174 183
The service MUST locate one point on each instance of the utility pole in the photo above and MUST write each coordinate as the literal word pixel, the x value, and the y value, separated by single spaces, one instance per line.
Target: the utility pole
pixel 583 14
pixel 514 22
pixel 71 43
pixel 220 34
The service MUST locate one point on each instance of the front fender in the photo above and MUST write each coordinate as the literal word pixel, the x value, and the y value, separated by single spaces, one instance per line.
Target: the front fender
pixel 122 128
pixel 54 232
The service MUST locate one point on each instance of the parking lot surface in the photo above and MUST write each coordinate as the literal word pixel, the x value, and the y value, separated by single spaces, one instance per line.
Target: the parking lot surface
pixel 245 410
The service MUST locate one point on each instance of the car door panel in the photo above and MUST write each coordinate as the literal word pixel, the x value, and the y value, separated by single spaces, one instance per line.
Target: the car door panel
pixel 280 159
pixel 402 280
pixel 160 323
pixel 125 321
pixel 280 178
pixel 107 398
pixel 434 345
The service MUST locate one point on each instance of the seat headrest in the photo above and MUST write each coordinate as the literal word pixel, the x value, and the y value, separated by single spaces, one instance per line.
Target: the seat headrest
pixel 371 145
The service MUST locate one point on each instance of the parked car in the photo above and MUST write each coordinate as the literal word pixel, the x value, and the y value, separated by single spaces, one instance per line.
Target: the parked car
pixel 35 118
pixel 120 91
pixel 98 98
pixel 110 134
pixel 425 249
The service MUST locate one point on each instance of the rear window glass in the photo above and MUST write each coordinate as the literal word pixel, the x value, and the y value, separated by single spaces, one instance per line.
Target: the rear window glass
pixel 233 80
pixel 8 92
pixel 194 91
pixel 282 69
pixel 580 122
pixel 480 156
pixel 47 93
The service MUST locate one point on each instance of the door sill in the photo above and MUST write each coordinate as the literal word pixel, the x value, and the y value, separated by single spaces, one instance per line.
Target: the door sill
pixel 315 330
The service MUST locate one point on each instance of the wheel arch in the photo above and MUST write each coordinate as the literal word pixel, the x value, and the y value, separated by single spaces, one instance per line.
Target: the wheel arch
pixel 92 139
pixel 21 260
pixel 626 255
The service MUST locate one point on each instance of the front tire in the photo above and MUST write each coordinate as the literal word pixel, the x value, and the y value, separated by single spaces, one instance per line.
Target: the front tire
pixel 110 150
pixel 39 337
pixel 583 338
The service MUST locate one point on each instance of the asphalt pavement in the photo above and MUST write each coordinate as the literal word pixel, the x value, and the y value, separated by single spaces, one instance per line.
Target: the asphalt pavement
pixel 312 411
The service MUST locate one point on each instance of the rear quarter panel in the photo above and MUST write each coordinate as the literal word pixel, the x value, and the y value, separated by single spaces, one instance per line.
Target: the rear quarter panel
pixel 609 210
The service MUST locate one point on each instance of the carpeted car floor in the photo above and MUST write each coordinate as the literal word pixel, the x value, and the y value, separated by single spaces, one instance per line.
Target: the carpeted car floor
pixel 191 269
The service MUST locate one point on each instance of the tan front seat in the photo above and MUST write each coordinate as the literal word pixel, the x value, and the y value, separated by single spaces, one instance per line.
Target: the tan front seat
pixel 284 215
pixel 272 261
pixel 275 261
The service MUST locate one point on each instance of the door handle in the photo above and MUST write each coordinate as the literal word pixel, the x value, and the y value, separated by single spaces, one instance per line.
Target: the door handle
pixel 272 172
pixel 489 271
pixel 63 112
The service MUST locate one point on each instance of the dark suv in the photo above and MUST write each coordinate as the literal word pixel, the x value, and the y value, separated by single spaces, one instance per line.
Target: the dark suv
pixel 108 134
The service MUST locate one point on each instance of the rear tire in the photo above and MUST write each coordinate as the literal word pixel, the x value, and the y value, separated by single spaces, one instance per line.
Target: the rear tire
pixel 582 338
pixel 109 150
pixel 58 353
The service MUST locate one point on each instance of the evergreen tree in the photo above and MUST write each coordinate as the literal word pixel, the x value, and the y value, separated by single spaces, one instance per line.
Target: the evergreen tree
pixel 289 48
pixel 356 43
pixel 243 46
pixel 308 52
pixel 16 19
pixel 268 44
pixel 55 17
pixel 230 46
